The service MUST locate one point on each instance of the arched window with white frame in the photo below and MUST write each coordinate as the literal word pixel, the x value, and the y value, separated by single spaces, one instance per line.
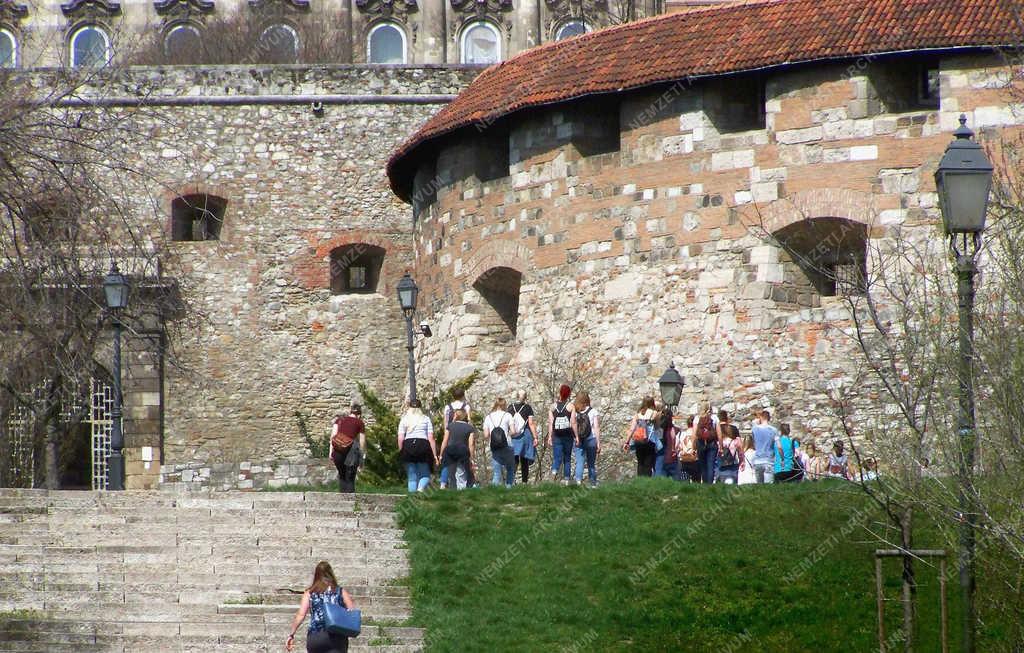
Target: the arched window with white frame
pixel 90 46
pixel 182 42
pixel 570 29
pixel 279 44
pixel 386 44
pixel 481 43
pixel 8 49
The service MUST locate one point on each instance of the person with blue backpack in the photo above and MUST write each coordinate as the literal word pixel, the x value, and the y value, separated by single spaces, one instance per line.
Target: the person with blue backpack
pixel 322 591
pixel 641 437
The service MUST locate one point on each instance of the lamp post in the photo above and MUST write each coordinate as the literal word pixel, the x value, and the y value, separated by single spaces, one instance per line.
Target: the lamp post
pixel 408 292
pixel 671 386
pixel 115 288
pixel 964 179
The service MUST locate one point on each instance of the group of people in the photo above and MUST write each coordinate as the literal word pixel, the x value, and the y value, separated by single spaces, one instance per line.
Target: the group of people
pixel 708 449
pixel 510 431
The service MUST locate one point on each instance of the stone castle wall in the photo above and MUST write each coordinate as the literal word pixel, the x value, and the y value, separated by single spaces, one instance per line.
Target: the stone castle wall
pixel 656 250
pixel 269 338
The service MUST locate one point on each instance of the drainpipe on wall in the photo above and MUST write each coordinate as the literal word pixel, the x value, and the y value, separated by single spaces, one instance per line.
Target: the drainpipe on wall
pixel 350 42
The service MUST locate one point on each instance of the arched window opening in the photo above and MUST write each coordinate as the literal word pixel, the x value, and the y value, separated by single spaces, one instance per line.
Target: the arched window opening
pixel 197 217
pixel 8 49
pixel 90 46
pixel 182 43
pixel 386 44
pixel 279 44
pixel 830 252
pixel 571 29
pixel 499 288
pixel 356 268
pixel 481 44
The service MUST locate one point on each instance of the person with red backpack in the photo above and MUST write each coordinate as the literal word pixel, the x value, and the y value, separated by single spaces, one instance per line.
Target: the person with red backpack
pixel 562 434
pixel 348 446
pixel 707 443
pixel 640 437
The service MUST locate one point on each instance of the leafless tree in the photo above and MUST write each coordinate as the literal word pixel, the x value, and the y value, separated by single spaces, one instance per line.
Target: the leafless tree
pixel 72 202
pixel 245 37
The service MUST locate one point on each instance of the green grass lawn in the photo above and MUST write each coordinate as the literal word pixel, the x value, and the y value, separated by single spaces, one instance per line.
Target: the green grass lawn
pixel 653 565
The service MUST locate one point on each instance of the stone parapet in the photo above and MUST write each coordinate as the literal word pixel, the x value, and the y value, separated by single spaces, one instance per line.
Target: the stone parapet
pixel 246 475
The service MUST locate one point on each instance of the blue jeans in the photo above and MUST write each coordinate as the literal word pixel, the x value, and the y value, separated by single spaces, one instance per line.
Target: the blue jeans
pixel 444 475
pixel 497 468
pixel 708 459
pixel 588 452
pixel 418 475
pixel 561 456
pixel 671 470
pixel 659 464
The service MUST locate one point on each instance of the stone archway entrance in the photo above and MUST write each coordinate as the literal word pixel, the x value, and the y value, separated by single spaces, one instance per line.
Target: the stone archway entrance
pixel 830 254
pixel 498 311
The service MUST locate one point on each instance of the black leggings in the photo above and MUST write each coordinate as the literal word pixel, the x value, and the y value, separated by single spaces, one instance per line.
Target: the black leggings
pixel 645 456
pixel 324 642
pixel 524 466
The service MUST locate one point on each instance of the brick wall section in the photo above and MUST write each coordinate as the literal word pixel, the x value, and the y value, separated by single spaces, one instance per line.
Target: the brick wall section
pixel 657 252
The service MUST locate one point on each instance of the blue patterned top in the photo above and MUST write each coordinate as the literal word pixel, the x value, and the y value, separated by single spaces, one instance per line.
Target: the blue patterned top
pixel 317 618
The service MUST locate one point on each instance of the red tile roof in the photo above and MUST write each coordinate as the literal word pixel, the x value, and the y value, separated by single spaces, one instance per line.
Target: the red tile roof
pixel 714 41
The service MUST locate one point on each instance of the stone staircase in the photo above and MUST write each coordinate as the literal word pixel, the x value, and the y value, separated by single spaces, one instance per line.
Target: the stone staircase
pixel 118 572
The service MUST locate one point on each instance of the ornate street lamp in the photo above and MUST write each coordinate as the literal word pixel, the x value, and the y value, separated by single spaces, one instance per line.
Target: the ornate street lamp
pixel 115 288
pixel 408 293
pixel 671 386
pixel 964 180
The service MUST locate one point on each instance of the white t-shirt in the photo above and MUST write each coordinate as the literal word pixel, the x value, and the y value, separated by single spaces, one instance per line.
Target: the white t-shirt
pixel 592 415
pixel 499 418
pixel 450 409
pixel 416 426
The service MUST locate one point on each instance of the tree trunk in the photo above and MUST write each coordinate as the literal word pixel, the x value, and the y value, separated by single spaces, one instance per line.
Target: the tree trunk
pixel 909 593
pixel 52 452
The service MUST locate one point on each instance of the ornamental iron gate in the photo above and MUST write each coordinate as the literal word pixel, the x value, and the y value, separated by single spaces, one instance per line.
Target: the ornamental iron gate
pixel 19 431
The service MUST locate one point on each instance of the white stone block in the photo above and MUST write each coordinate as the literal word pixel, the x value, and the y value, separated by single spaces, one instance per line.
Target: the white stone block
pixel 764 254
pixel 698 134
pixel 863 152
pixel 696 189
pixel 623 286
pixel 836 155
pixel 674 191
pixel 892 216
pixel 864 128
pixel 628 189
pixel 765 192
pixel 773 106
pixel 721 161
pixel 992 117
pixel 743 197
pixel 770 273
pixel 793 136
pixel 743 158
pixel 715 278
pixel 691 221
pixel 691 120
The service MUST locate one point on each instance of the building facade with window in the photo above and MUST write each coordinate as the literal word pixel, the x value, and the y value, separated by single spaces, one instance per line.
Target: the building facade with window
pixel 90 32
pixel 584 213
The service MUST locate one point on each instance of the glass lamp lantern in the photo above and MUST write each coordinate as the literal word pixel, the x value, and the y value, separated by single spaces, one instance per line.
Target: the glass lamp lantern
pixel 671 386
pixel 963 180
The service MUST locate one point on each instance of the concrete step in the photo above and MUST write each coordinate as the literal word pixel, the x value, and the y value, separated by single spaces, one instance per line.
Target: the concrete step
pixel 114 572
